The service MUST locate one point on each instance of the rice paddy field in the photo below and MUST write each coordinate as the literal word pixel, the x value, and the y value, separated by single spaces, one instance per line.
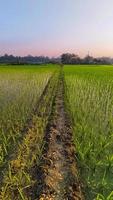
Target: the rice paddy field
pixel 89 91
pixel 27 96
pixel 21 91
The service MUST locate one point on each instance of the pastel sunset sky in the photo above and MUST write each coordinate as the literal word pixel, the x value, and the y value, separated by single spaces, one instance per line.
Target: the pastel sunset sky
pixel 52 27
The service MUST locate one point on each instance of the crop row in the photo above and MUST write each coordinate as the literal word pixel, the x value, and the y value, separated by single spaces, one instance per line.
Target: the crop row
pixel 89 99
pixel 24 90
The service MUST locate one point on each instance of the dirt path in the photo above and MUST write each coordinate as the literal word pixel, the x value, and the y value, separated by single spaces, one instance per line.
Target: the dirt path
pixel 57 172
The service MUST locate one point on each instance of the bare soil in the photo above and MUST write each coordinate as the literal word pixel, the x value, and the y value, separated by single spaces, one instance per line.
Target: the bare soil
pixel 57 172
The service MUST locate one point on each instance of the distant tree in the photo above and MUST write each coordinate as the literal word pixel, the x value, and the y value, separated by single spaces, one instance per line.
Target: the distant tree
pixel 65 58
pixel 75 59
pixel 88 60
pixel 68 58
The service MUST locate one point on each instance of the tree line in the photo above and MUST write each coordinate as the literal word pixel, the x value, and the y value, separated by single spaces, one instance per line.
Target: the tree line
pixel 66 58
pixel 10 59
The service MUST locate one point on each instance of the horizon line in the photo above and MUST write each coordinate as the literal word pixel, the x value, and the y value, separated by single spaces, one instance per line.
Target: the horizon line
pixel 54 56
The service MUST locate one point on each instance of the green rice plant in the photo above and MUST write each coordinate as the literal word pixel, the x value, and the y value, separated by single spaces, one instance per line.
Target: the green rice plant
pixel 20 90
pixel 89 99
pixel 20 178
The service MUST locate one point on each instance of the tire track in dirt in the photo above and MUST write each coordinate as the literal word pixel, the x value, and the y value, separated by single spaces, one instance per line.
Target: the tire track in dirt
pixel 57 171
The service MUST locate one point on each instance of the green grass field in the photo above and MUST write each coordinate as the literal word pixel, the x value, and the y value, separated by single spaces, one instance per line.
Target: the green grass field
pixel 20 90
pixel 89 92
pixel 89 101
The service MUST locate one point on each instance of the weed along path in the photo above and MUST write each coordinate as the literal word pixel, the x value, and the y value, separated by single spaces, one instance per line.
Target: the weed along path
pixel 57 171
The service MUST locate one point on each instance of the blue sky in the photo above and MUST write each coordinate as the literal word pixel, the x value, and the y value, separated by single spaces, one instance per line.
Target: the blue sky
pixel 51 27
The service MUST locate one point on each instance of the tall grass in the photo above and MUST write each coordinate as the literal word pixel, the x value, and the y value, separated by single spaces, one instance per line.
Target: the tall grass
pixel 90 100
pixel 20 179
pixel 20 89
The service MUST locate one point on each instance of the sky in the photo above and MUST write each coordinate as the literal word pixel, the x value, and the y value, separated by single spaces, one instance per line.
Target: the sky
pixel 53 27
